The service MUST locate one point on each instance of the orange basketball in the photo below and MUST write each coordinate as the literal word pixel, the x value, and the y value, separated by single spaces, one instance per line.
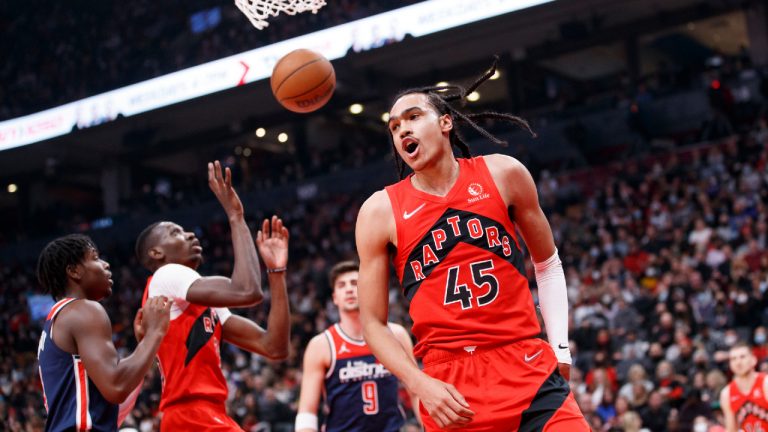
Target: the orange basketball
pixel 303 81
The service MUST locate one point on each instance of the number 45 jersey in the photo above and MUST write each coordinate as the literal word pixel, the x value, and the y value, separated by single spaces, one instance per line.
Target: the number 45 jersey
pixel 460 264
pixel 360 393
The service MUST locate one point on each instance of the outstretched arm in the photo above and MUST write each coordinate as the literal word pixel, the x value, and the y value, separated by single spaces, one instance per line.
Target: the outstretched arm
pixel 519 190
pixel 375 225
pixel 244 287
pixel 274 342
pixel 316 361
pixel 87 323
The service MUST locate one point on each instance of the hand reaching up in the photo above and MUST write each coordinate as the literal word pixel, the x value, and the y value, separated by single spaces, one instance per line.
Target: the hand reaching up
pixel 272 241
pixel 221 186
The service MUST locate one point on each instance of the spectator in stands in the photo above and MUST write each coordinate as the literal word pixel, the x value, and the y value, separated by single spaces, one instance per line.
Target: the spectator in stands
pixel 655 415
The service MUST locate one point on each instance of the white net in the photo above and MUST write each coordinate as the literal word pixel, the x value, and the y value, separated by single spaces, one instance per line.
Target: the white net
pixel 258 11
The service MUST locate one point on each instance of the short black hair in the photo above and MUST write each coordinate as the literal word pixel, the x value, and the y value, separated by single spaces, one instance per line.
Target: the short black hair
pixel 341 268
pixel 143 245
pixel 56 257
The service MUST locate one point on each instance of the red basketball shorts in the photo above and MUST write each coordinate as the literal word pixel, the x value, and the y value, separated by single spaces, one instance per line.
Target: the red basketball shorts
pixel 514 387
pixel 197 416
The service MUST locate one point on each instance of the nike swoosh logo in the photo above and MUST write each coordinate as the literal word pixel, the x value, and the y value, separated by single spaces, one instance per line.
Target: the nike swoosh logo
pixel 529 358
pixel 407 215
pixel 561 346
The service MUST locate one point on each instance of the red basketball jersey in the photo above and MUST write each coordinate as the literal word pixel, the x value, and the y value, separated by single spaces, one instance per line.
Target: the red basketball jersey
pixel 459 262
pixel 751 409
pixel 189 358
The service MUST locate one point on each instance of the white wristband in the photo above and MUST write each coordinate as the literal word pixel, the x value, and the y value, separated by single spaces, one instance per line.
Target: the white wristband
pixel 553 300
pixel 305 420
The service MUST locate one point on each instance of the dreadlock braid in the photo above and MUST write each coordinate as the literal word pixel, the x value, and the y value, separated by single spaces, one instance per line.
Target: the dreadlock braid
pixel 56 257
pixel 441 97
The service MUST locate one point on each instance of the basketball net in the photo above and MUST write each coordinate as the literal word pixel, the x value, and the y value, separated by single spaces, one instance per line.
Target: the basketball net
pixel 258 11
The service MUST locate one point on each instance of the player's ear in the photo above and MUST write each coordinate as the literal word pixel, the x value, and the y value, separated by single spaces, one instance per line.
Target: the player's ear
pixel 75 272
pixel 156 253
pixel 446 122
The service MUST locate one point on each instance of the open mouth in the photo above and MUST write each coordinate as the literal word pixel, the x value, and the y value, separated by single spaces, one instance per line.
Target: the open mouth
pixel 410 145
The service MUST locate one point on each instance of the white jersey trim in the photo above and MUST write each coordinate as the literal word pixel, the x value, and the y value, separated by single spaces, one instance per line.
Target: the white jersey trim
pixel 347 338
pixel 56 309
pixel 81 395
pixel 332 346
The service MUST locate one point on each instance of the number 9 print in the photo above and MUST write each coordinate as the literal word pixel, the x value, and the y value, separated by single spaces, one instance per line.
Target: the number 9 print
pixel 370 398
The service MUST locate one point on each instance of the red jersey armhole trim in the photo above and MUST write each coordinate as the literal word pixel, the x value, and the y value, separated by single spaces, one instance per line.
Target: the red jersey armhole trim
pixel 146 291
pixel 394 203
pixel 501 203
pixel 486 172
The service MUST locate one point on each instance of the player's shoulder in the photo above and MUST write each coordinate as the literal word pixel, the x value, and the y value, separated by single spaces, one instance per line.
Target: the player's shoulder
pixel 511 177
pixel 170 277
pixel 318 349
pixel 725 394
pixel 318 339
pixel 172 270
pixel 375 212
pixel 82 313
pixel 498 161
pixel 85 309
pixel 377 203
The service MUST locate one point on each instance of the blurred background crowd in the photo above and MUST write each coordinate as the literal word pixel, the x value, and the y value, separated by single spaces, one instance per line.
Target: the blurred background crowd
pixel 662 227
pixel 107 45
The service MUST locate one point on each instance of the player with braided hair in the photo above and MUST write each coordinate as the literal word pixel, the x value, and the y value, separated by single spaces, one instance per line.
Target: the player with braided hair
pixel 440 98
pixel 82 376
pixel 451 229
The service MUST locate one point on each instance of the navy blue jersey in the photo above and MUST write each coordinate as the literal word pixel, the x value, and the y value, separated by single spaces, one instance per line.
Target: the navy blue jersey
pixel 72 400
pixel 360 393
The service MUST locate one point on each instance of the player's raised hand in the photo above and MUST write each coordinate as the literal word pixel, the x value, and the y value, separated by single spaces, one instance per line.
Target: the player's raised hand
pixel 272 241
pixel 156 315
pixel 221 186
pixel 445 405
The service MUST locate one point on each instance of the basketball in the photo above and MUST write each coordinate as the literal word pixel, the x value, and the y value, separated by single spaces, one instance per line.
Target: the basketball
pixel 303 81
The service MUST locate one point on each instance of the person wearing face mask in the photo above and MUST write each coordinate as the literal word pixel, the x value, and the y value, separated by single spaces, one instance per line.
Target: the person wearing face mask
pixel 744 401
pixel 730 338
pixel 701 424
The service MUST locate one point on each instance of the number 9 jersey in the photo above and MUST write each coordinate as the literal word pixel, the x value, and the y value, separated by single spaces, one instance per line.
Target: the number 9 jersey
pixel 460 264
pixel 360 393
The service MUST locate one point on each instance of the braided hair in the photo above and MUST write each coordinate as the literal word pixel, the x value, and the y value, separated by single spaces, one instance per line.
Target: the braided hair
pixel 56 257
pixel 441 97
